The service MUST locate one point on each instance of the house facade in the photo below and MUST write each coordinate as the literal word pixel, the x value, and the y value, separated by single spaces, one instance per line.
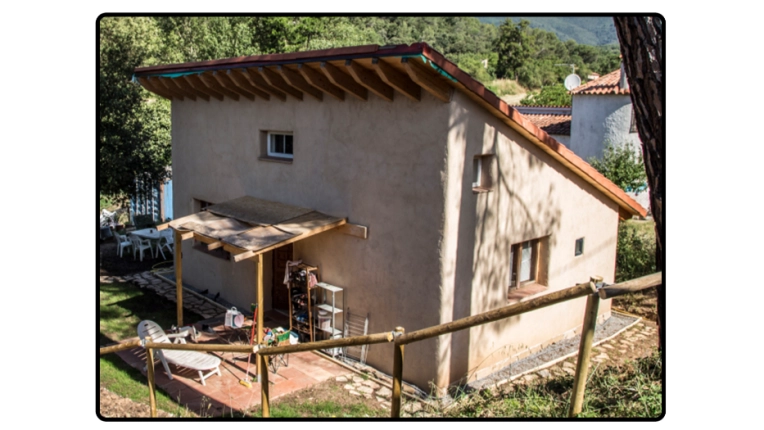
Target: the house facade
pixel 468 205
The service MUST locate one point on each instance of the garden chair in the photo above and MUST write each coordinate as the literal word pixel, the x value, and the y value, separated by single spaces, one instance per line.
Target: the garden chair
pixel 194 360
pixel 122 243
pixel 166 242
pixel 140 245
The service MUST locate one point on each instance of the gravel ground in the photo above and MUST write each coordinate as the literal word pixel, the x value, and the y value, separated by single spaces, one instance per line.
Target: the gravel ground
pixel 554 352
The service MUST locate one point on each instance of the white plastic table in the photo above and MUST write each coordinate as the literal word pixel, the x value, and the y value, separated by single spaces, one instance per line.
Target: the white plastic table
pixel 152 235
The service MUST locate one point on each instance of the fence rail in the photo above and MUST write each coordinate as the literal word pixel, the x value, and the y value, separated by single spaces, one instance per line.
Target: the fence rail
pixel 588 289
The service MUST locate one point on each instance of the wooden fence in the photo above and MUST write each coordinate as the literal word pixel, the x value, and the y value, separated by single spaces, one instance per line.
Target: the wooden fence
pixel 589 289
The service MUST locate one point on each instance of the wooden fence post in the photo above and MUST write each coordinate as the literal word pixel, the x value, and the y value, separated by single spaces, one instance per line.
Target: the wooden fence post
pixel 265 399
pixel 395 404
pixel 178 256
pixel 150 374
pixel 584 352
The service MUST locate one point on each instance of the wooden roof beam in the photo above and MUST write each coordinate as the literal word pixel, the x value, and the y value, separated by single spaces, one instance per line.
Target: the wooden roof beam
pixel 340 79
pixel 319 81
pixel 241 80
pixel 399 81
pixel 181 82
pixel 275 80
pixel 197 83
pixel 427 80
pixel 370 80
pixel 213 83
pixel 296 80
pixel 161 91
pixel 259 82
pixel 225 82
pixel 174 89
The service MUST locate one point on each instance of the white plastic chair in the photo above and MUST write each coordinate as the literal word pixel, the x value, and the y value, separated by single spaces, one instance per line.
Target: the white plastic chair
pixel 139 245
pixel 122 243
pixel 166 241
pixel 194 360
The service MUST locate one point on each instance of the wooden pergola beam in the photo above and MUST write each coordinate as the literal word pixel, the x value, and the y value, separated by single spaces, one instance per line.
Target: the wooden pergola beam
pixel 225 82
pixel 370 80
pixel 242 81
pixel 197 83
pixel 340 79
pixel 296 80
pixel 400 81
pixel 427 80
pixel 161 91
pixel 181 82
pixel 250 254
pixel 275 80
pixel 173 89
pixel 259 82
pixel 213 84
pixel 319 81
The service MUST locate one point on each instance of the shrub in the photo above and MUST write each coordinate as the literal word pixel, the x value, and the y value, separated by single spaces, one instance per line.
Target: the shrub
pixel 635 255
pixel 623 165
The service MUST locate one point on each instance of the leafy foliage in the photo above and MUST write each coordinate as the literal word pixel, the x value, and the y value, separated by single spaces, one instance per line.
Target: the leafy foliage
pixel 553 95
pixel 623 165
pixel 635 252
pixel 595 31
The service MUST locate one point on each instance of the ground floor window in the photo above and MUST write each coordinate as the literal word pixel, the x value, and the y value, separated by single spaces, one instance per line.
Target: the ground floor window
pixel 525 263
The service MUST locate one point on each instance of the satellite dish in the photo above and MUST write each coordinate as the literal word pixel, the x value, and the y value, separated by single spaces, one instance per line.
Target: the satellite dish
pixel 572 81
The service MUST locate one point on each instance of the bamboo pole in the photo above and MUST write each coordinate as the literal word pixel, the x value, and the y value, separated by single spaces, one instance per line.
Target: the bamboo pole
pixel 260 312
pixel 584 353
pixel 579 290
pixel 150 374
pixel 326 344
pixel 119 347
pixel 242 349
pixel 395 403
pixel 179 275
pixel 264 388
pixel 631 286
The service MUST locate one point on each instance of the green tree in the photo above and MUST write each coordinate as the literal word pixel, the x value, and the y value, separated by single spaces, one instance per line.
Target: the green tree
pixel 513 47
pixel 134 126
pixel 623 165
pixel 553 95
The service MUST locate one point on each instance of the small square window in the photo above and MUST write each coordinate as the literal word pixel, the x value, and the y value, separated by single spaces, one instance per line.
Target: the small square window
pixel 477 173
pixel 579 246
pixel 482 173
pixel 280 145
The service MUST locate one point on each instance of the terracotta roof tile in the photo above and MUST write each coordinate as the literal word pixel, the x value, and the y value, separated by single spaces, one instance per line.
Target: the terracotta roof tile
pixel 608 84
pixel 552 124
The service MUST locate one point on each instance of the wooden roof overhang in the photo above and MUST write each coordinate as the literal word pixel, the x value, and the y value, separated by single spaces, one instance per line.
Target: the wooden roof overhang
pixel 247 227
pixel 360 72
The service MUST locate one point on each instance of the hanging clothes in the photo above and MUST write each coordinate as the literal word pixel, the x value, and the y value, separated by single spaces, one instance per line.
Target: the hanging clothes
pixel 289 265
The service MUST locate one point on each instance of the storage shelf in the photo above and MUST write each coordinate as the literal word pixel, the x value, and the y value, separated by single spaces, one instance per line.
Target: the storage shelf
pixel 329 308
pixel 329 287
pixel 333 332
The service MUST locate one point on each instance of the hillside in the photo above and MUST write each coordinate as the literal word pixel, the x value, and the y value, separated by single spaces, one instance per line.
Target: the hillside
pixel 587 30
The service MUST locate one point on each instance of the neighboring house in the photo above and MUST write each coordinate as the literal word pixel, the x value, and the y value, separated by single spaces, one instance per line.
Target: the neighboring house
pixel 554 120
pixel 466 205
pixel 156 204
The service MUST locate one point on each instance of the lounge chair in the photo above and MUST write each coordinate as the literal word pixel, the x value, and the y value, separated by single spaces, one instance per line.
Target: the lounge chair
pixel 191 359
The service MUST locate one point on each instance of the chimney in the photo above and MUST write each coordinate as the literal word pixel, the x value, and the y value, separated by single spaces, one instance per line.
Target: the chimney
pixel 623 84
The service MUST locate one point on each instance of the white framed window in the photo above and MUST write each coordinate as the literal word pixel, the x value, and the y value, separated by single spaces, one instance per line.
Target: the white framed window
pixel 280 144
pixel 477 172
pixel 483 171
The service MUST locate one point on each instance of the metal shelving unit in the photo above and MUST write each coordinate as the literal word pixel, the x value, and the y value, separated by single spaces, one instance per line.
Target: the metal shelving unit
pixel 326 298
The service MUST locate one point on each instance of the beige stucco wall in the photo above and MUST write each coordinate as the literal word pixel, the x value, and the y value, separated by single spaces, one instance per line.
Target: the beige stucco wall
pixel 533 196
pixel 377 163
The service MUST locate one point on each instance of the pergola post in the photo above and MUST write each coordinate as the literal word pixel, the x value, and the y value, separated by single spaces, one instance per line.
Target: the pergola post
pixel 178 255
pixel 260 311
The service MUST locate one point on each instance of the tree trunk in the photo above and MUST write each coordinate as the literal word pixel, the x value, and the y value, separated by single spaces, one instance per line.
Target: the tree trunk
pixel 642 47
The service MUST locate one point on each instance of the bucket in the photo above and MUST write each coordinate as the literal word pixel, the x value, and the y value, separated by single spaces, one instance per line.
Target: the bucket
pixel 234 318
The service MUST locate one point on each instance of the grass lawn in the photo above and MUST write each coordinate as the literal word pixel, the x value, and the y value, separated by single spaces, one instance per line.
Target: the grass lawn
pixel 122 306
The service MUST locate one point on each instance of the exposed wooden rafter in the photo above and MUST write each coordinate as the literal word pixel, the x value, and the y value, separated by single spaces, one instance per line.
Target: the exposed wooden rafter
pixel 340 79
pixel 212 83
pixel 296 80
pixel 183 83
pixel 399 81
pixel 427 80
pixel 222 78
pixel 242 81
pixel 259 82
pixel 161 91
pixel 173 89
pixel 275 80
pixel 197 83
pixel 318 80
pixel 370 80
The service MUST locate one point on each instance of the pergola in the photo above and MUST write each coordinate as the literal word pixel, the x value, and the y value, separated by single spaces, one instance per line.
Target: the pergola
pixel 247 227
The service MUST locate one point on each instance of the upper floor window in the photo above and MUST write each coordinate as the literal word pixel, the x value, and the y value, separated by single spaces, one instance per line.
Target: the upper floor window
pixel 280 145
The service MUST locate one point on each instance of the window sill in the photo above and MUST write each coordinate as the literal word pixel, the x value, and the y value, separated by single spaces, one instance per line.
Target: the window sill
pixel 276 159
pixel 480 190
pixel 526 292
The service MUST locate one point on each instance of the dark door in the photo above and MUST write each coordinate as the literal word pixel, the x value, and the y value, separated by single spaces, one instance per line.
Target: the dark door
pixel 279 292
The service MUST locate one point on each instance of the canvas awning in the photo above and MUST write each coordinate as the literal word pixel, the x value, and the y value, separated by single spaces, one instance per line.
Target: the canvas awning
pixel 248 226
